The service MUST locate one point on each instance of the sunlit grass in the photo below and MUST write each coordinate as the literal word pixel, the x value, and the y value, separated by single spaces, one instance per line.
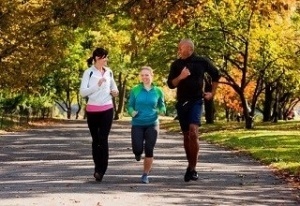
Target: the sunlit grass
pixel 275 144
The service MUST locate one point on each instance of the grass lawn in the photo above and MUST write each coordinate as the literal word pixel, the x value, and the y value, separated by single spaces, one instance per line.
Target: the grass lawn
pixel 274 144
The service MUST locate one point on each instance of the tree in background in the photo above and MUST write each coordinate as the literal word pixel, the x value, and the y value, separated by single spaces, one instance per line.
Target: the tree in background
pixel 239 28
pixel 244 38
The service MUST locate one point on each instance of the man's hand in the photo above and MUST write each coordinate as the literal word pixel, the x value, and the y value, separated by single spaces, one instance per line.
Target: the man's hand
pixel 208 95
pixel 185 72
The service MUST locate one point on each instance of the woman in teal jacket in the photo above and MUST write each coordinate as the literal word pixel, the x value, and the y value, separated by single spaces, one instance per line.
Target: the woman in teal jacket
pixel 146 102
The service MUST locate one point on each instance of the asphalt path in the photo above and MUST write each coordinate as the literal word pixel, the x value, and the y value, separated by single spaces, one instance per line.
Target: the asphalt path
pixel 52 165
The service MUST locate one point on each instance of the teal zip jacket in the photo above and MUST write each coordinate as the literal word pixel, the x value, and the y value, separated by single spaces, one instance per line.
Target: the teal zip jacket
pixel 147 104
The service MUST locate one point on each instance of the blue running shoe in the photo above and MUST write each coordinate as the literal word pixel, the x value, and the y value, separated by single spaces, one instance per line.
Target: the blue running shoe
pixel 145 179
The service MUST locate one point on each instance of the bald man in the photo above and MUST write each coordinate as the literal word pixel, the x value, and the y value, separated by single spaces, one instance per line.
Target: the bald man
pixel 187 75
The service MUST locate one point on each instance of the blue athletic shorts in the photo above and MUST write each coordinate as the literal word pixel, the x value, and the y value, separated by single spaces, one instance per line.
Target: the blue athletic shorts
pixel 189 112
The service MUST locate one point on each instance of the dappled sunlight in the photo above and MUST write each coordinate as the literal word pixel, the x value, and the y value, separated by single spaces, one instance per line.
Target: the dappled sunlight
pixel 55 166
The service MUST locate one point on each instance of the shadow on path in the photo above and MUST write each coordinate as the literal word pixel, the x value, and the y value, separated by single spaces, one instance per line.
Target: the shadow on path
pixel 53 166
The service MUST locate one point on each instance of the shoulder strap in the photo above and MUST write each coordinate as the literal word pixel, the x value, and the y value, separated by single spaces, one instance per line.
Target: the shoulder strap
pixel 91 73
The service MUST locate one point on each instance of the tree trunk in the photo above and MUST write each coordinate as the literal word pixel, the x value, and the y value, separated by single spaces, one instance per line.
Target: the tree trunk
pixel 227 114
pixel 276 106
pixel 249 123
pixel 209 111
pixel 122 95
pixel 68 104
pixel 267 103
pixel 69 113
pixel 79 102
pixel 208 104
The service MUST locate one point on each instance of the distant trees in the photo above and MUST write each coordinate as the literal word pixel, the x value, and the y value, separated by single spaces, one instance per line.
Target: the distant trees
pixel 44 46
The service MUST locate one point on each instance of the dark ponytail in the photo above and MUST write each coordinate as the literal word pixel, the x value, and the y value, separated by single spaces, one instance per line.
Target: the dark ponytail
pixel 90 61
pixel 98 52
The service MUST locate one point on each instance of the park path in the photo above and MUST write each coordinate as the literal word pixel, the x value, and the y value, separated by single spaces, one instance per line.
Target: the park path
pixel 53 166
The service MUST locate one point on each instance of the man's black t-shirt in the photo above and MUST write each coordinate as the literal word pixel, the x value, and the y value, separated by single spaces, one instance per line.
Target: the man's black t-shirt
pixel 191 88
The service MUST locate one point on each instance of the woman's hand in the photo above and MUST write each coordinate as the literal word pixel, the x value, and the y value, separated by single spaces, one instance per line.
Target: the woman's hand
pixel 114 93
pixel 134 113
pixel 101 81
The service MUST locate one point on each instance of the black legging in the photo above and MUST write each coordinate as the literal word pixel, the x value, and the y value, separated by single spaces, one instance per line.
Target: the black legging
pixel 144 137
pixel 99 124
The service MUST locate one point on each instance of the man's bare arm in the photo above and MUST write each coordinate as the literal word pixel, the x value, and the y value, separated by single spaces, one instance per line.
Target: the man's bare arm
pixel 184 74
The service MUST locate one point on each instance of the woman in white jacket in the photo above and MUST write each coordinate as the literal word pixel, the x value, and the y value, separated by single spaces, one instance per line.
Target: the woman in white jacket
pixel 99 86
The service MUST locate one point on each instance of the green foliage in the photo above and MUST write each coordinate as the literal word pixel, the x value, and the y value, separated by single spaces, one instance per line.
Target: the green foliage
pixel 10 104
pixel 45 44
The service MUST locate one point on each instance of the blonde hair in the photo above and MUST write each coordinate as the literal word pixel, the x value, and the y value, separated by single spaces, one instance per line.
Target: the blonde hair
pixel 148 68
